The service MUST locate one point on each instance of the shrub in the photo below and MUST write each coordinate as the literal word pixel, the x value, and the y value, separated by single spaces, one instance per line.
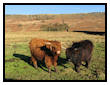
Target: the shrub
pixel 54 27
pixel 42 21
pixel 19 25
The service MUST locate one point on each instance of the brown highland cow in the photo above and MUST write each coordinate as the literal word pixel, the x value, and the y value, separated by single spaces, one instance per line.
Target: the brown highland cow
pixel 44 49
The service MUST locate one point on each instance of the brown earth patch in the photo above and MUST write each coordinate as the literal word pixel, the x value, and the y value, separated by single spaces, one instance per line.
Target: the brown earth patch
pixel 76 22
pixel 12 60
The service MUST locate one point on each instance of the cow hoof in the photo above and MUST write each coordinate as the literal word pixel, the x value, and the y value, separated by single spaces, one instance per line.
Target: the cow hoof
pixel 77 71
pixel 50 73
pixel 56 71
pixel 36 68
pixel 88 67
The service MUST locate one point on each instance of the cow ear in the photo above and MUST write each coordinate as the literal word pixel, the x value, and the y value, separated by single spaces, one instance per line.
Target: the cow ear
pixel 72 41
pixel 51 47
pixel 76 49
pixel 48 45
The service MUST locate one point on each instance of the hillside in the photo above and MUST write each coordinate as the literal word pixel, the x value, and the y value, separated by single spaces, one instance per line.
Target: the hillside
pixel 76 22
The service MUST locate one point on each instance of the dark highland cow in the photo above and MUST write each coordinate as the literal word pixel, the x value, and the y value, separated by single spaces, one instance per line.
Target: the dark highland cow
pixel 44 49
pixel 78 52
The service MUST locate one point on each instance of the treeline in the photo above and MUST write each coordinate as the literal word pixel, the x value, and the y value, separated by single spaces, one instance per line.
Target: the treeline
pixel 55 27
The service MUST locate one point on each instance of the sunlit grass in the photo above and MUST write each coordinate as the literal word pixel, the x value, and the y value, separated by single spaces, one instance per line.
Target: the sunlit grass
pixel 17 55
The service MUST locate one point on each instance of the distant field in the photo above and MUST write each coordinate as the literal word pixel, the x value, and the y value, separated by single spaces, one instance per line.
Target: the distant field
pixel 17 55
pixel 76 22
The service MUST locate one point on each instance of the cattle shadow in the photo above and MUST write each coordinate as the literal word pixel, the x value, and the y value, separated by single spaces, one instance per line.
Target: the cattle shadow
pixel 23 57
pixel 27 60
pixel 91 32
pixel 40 64
pixel 61 61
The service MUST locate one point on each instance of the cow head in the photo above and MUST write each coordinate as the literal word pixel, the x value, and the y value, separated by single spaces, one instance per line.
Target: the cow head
pixel 53 48
pixel 71 53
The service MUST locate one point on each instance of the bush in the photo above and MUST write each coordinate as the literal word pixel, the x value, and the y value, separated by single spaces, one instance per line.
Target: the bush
pixel 54 27
pixel 19 25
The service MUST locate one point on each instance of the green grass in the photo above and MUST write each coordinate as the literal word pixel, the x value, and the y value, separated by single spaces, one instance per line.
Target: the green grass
pixel 17 58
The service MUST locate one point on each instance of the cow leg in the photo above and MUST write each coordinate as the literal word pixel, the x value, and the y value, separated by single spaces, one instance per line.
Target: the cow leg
pixel 48 63
pixel 55 67
pixel 49 69
pixel 77 67
pixel 34 62
pixel 87 63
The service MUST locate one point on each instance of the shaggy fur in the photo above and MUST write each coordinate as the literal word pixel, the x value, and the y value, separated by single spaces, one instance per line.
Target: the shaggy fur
pixel 44 49
pixel 80 51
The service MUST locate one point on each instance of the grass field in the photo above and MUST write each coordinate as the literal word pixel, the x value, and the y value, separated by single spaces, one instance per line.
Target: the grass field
pixel 17 56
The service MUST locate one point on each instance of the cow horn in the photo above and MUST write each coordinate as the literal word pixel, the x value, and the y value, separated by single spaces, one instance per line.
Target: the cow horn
pixel 47 43
pixel 63 48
